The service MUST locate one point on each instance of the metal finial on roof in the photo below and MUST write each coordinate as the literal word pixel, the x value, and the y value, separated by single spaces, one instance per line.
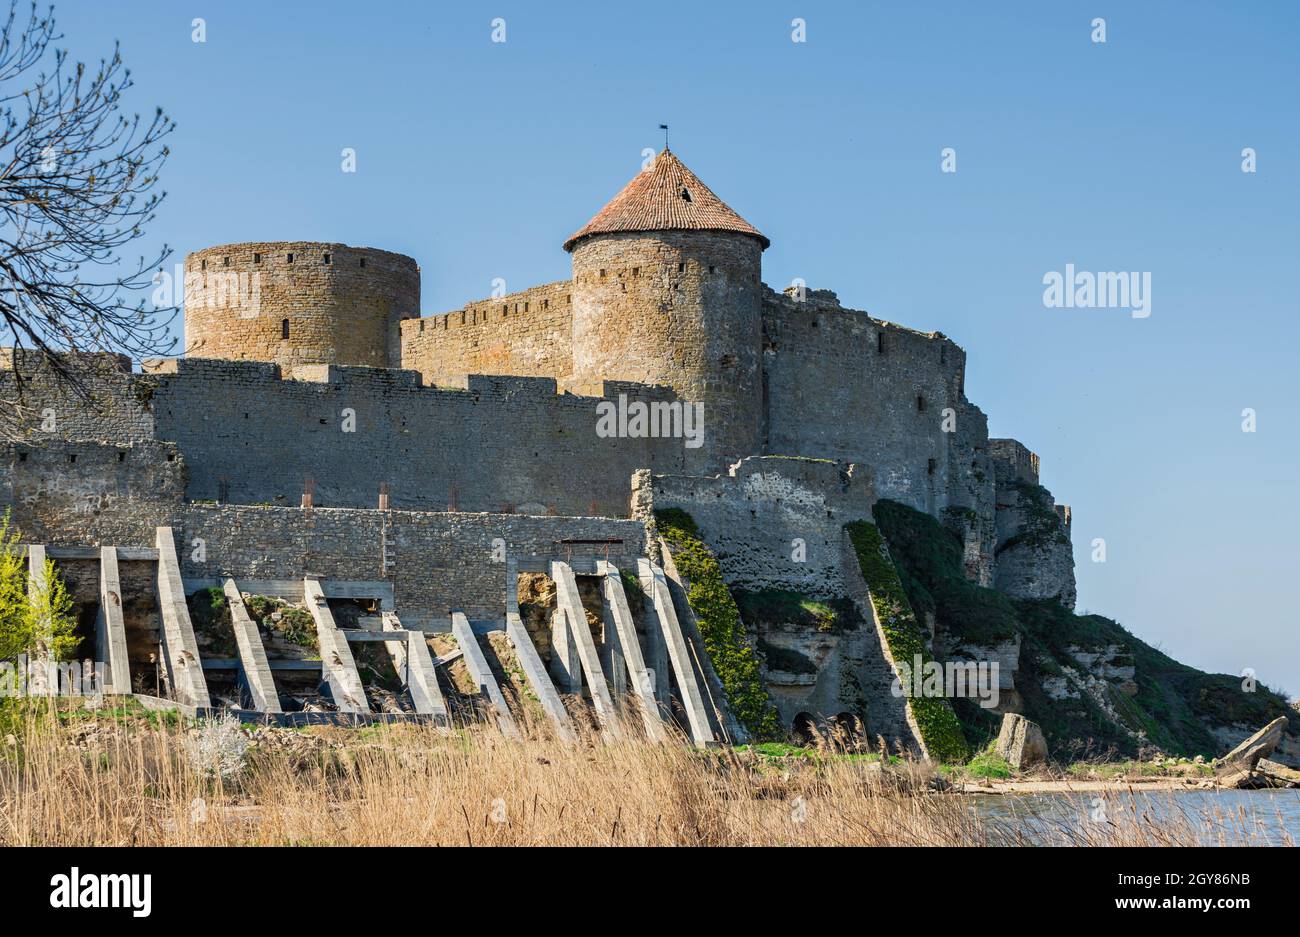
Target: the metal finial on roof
pixel 664 128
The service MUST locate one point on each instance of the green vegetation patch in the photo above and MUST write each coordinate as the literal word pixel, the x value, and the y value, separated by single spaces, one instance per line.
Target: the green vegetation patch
pixel 735 662
pixel 929 562
pixel 940 730
pixel 777 607
pixel 293 624
pixel 210 616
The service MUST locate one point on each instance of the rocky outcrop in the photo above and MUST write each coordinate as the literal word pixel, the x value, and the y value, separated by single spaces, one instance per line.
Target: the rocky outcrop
pixel 1021 743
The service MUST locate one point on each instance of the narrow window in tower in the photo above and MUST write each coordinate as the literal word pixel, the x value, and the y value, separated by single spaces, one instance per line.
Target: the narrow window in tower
pixel 121 457
pixel 880 342
pixel 525 307
pixel 546 304
pixel 681 268
pixel 930 466
pixel 289 259
pixel 284 329
pixel 73 457
pixel 363 261
pixel 257 258
pixel 602 273
pixel 712 268
pixel 326 258
pixel 636 271
pixel 22 457
pixel 920 403
pixel 504 310
pixel 225 261
pixel 203 265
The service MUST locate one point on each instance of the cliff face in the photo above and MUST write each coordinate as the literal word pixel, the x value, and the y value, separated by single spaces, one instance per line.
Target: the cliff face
pixel 1096 689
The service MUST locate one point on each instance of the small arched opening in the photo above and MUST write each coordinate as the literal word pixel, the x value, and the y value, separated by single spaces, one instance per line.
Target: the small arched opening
pixel 804 729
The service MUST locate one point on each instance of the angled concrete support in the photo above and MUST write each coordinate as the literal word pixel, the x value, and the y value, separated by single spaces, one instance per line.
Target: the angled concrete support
pixel 531 661
pixel 414 665
pixel 569 604
pixel 336 657
pixel 679 655
pixel 656 651
pixel 253 665
pixel 481 673
pixel 715 695
pixel 621 632
pixel 180 650
pixel 110 630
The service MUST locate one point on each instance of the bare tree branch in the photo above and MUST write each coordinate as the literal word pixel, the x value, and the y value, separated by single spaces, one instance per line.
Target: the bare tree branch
pixel 78 184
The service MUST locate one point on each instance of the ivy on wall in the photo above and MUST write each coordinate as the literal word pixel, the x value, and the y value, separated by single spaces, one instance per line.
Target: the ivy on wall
pixel 934 717
pixel 735 662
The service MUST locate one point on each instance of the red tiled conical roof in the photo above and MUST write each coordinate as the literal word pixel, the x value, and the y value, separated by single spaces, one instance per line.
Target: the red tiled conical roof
pixel 666 197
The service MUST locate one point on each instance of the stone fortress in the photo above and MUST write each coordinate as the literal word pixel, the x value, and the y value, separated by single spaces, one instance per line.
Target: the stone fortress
pixel 324 442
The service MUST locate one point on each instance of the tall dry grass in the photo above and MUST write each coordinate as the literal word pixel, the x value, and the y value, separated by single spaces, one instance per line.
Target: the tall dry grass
pixel 103 779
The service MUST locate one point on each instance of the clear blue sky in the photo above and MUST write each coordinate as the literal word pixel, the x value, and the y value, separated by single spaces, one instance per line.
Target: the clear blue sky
pixel 479 158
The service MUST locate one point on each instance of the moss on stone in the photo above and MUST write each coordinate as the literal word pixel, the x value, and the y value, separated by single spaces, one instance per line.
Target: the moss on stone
pixel 735 662
pixel 938 724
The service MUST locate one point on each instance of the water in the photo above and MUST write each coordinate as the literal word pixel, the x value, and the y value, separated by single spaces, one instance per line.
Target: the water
pixel 1269 817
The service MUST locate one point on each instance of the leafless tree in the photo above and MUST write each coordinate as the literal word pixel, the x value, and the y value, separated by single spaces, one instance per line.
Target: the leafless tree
pixel 78 184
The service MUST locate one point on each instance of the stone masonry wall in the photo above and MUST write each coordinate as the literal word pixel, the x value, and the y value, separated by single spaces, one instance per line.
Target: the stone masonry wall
pixel 527 333
pixel 839 384
pixel 338 304
pixel 753 516
pixel 679 308
pixel 441 561
pixel 501 444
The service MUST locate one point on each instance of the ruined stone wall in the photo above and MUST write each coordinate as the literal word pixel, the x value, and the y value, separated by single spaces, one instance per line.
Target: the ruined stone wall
pixel 299 302
pixel 500 444
pixel 88 493
pixel 43 409
pixel 1035 556
pixel 527 333
pixel 774 522
pixel 680 308
pixel 777 523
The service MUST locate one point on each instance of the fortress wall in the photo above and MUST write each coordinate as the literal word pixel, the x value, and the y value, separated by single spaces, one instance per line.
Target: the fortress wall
pixel 117 410
pixel 75 493
pixel 753 516
pixel 342 304
pixel 527 333
pixel 441 561
pixel 1012 461
pixel 501 444
pixel 841 385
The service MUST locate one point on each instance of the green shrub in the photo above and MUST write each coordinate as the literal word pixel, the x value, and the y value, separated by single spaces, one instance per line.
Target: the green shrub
pixel 32 622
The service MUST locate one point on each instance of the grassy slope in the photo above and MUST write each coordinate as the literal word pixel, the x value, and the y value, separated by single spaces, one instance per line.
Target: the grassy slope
pixel 1174 704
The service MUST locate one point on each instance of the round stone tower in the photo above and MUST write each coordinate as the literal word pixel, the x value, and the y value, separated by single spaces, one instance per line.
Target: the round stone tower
pixel 666 290
pixel 299 302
